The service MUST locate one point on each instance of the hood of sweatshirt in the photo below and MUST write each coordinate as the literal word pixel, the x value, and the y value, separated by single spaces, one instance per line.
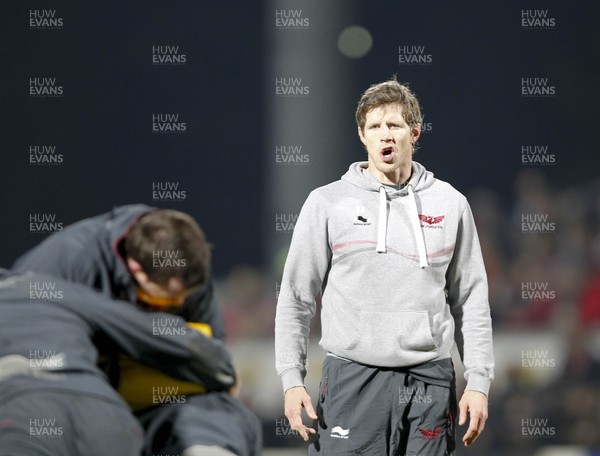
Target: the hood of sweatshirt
pixel 420 179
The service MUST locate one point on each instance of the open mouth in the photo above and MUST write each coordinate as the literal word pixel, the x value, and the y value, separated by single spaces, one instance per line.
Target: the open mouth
pixel 387 154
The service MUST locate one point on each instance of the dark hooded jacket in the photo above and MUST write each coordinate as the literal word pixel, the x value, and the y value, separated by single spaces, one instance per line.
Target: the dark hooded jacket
pixel 91 252
pixel 48 327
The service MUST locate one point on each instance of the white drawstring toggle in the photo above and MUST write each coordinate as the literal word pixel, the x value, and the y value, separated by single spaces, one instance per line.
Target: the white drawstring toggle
pixel 382 226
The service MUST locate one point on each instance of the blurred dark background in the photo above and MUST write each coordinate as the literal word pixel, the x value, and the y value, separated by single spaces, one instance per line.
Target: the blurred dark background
pixel 479 126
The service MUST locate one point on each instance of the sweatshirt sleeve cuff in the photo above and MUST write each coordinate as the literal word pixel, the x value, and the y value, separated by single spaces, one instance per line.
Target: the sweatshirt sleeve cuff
pixel 291 378
pixel 478 383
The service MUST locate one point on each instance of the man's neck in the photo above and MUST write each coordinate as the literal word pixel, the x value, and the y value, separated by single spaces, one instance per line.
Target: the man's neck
pixel 400 175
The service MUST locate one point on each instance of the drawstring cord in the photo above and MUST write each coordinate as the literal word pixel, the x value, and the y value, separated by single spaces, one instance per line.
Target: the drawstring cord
pixel 382 227
pixel 414 220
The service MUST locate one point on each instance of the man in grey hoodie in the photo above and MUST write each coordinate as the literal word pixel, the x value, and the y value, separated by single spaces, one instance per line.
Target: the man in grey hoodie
pixel 394 254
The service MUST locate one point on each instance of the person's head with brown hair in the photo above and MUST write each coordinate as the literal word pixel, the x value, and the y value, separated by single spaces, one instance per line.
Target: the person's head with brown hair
pixel 389 120
pixel 390 92
pixel 167 253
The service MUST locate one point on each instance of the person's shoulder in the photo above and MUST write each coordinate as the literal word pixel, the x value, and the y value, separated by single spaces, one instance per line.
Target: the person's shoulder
pixel 128 211
pixel 326 194
pixel 447 190
pixel 331 188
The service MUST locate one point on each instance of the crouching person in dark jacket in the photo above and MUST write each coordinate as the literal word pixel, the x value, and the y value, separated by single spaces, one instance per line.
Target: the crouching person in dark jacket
pixel 158 260
pixel 53 397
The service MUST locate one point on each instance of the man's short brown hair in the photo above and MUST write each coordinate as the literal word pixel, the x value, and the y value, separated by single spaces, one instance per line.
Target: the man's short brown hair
pixel 389 92
pixel 168 243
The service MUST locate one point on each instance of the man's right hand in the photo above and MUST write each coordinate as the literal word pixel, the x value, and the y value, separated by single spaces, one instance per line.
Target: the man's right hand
pixel 296 399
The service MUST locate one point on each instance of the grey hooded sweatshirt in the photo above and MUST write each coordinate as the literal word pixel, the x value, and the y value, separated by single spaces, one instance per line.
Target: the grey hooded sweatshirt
pixel 400 273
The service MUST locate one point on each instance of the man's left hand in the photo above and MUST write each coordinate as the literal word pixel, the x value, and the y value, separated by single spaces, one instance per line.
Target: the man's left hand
pixel 475 404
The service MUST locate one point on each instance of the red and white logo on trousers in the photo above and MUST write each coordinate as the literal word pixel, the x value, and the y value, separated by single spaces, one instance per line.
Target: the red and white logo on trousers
pixel 431 434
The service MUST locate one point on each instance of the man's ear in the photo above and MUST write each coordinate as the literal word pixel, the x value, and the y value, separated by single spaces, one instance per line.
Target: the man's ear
pixel 133 265
pixel 416 133
pixel 136 270
pixel 175 285
pixel 361 136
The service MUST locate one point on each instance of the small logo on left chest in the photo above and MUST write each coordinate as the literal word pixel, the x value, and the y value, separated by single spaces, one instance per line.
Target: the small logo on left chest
pixel 361 216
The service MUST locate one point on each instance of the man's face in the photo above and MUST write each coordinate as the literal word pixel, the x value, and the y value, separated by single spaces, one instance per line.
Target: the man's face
pixel 158 296
pixel 389 142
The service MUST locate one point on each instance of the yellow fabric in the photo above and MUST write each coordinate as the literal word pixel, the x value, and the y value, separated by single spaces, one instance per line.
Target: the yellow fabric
pixel 157 302
pixel 142 386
